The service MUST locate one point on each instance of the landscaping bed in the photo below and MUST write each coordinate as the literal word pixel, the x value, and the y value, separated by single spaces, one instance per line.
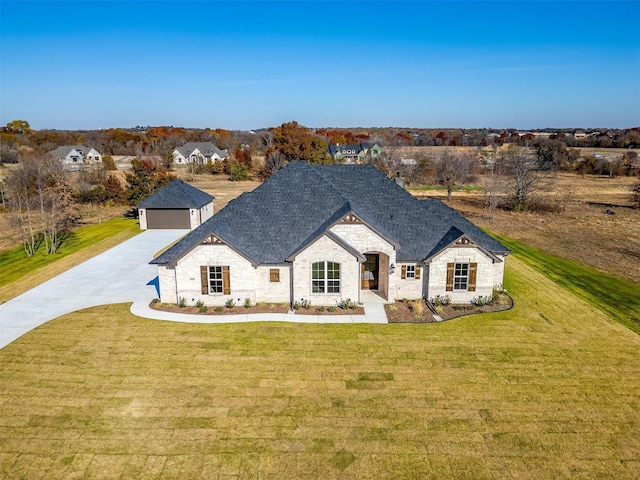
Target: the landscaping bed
pixel 211 310
pixel 416 311
pixel 259 308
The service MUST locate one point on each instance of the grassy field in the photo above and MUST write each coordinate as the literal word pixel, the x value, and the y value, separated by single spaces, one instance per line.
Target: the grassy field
pixel 546 390
pixel 615 296
pixel 20 272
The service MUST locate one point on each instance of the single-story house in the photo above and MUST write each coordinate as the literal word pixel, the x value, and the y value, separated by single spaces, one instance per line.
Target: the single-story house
pixel 176 205
pixel 198 152
pixel 326 233
pixel 76 154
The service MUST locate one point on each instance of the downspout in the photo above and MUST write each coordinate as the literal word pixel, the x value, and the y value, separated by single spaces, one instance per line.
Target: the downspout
pixel 291 286
pixel 359 284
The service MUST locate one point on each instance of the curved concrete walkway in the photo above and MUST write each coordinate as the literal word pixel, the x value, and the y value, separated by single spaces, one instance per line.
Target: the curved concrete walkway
pixel 373 313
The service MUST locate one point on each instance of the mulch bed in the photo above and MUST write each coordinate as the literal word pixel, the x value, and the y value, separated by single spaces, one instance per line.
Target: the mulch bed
pixel 261 308
pixel 406 311
pixel 337 311
pixel 237 310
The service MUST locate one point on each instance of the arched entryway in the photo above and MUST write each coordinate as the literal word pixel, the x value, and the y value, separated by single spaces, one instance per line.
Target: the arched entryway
pixel 375 273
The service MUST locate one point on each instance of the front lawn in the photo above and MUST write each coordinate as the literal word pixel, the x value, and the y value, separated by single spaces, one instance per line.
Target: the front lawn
pixel 548 389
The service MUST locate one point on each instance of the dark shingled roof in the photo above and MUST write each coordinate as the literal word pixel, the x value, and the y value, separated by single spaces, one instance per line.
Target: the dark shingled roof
pixel 301 202
pixel 177 194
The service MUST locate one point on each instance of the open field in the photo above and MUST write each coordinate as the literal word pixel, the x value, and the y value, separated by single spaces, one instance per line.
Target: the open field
pixel 546 390
pixel 583 232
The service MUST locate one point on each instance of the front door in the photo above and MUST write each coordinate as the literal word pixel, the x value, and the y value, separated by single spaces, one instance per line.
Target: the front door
pixel 370 271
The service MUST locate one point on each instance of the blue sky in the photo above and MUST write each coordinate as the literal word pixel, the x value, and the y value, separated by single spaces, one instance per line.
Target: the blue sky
pixel 244 65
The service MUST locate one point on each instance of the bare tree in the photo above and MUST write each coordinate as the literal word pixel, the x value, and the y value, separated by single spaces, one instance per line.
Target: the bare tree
pixel 272 164
pixel 525 175
pixel 495 186
pixel 454 169
pixel 40 199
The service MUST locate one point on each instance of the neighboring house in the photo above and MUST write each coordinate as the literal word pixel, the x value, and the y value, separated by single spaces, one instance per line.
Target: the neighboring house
pixel 76 154
pixel 198 152
pixel 176 205
pixel 579 135
pixel 326 233
pixel 355 153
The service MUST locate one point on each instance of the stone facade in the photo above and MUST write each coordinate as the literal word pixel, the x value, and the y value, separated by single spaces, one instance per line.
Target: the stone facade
pixel 273 292
pixel 365 240
pixel 486 278
pixel 249 281
pixel 325 249
pixel 242 275
pixel 410 288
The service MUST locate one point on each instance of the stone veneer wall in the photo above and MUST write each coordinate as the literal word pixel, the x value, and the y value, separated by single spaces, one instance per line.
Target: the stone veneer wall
pixel 242 275
pixel 273 292
pixel 409 287
pixel 365 240
pixel 485 276
pixel 142 217
pixel 325 249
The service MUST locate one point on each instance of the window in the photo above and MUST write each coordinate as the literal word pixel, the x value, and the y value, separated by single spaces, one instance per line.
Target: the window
pixel 411 271
pixel 274 275
pixel 325 277
pixel 215 280
pixel 461 276
pixel 216 283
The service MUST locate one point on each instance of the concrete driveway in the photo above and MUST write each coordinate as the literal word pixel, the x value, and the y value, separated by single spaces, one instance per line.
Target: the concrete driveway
pixel 121 274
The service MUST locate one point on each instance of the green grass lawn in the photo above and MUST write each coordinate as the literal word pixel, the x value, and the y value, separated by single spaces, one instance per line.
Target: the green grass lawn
pixel 617 297
pixel 19 273
pixel 547 390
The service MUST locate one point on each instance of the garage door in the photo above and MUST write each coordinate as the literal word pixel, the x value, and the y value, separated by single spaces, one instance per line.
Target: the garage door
pixel 168 218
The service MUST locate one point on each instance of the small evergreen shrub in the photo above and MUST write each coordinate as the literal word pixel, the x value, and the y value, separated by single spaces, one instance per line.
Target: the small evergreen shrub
pixel 230 303
pixel 247 302
pixel 218 309
pixel 182 302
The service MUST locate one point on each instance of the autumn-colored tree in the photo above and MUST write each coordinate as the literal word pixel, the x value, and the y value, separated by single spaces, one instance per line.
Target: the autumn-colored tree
pixel 144 179
pixel 17 126
pixel 296 142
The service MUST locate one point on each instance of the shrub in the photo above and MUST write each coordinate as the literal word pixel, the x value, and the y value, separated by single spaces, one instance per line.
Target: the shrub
pixel 247 302
pixel 182 302
pixel 438 300
pixel 155 300
pixel 230 303
pixel 218 309
pixel 306 304
pixel 239 171
pixel 296 305
pixel 319 309
pixel 331 309
pixel 417 307
pixel 202 308
pixel 345 304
